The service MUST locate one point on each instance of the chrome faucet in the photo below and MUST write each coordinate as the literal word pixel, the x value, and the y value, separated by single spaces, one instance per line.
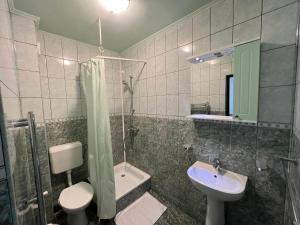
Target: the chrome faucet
pixel 217 164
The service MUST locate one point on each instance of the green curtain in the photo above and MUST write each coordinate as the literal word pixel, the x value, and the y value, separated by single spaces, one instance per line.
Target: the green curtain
pixel 100 159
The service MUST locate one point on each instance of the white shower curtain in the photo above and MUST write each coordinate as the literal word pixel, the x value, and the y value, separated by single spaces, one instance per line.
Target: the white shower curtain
pixel 100 158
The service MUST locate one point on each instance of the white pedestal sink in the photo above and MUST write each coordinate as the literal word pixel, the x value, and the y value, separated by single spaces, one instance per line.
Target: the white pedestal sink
pixel 219 186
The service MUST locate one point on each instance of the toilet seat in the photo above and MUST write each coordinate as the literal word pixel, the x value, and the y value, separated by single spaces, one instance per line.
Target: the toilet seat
pixel 76 197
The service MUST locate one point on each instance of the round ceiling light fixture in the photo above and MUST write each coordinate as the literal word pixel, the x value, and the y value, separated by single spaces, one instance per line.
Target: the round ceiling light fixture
pixel 115 6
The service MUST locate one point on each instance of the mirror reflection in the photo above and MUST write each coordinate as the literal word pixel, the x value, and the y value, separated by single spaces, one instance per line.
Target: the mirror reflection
pixel 212 86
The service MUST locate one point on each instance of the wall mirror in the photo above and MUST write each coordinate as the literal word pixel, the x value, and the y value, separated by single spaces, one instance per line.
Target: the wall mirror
pixel 225 82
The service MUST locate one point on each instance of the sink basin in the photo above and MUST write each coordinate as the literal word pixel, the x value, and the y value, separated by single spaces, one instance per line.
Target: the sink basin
pixel 219 186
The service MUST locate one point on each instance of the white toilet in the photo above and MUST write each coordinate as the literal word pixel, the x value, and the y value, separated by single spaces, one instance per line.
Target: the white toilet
pixel 75 198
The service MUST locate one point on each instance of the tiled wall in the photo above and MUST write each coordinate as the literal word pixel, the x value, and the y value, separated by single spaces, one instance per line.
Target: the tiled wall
pixel 39 72
pixel 61 89
pixel 159 151
pixel 164 89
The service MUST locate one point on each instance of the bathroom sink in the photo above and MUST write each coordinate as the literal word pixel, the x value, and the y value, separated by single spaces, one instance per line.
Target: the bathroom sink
pixel 223 185
pixel 219 186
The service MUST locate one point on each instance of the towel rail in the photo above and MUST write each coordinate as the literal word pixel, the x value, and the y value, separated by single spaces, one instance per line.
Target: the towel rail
pixel 289 185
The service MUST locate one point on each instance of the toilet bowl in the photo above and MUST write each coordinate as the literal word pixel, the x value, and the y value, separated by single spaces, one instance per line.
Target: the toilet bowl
pixel 74 200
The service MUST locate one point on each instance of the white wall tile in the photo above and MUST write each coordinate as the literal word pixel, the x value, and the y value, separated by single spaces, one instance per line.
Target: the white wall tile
pixel 6 54
pixel 55 67
pixel 136 105
pixel 151 86
pixel 144 105
pixel 118 105
pixel 24 29
pixel 5 26
pixel 221 39
pixel 172 105
pixel 160 64
pixel 161 85
pixel 161 105
pixel 69 48
pixel 12 108
pixel 201 46
pixel 47 109
pixel 83 52
pixel 73 89
pixel 53 45
pixel 43 66
pixel 94 51
pixel 160 43
pixel 29 83
pixel 214 87
pixel 150 48
pixel 221 16
pixel 171 38
pixel 152 105
pixel 247 31
pixel 246 9
pixel 201 24
pixel 172 83
pixel 204 88
pixel 57 88
pixel 184 81
pixel 143 88
pixel 34 105
pixel 269 5
pixel 41 42
pixel 109 91
pixel 142 51
pixel 184 52
pixel 184 105
pixel 117 91
pixel 45 87
pixel 72 70
pixel 185 32
pixel 9 78
pixel 27 56
pixel 151 67
pixel 59 108
pixel 111 105
pixel 83 107
pixel 172 61
pixel 74 107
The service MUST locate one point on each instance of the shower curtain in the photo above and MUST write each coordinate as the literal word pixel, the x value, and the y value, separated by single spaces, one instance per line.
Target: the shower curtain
pixel 100 158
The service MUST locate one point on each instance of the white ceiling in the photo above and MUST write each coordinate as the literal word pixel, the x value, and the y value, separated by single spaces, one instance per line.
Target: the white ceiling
pixel 77 19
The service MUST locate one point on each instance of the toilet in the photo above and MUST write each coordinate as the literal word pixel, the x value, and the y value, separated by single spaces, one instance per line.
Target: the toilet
pixel 75 198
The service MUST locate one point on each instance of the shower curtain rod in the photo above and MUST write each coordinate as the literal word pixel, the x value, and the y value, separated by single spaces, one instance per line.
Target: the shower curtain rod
pixel 102 49
pixel 116 58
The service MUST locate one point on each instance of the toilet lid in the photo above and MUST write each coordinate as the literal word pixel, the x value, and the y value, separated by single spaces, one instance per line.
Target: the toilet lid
pixel 76 196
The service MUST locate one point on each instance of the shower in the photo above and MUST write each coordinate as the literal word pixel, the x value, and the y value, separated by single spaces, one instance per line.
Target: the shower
pixel 133 131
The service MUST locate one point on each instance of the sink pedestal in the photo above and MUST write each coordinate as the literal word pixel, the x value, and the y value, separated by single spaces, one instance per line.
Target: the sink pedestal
pixel 215 212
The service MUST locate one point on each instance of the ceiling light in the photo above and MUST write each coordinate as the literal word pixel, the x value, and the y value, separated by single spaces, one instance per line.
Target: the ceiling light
pixel 115 6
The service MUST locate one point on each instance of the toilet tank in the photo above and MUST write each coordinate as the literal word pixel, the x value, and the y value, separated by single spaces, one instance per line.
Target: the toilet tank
pixel 65 157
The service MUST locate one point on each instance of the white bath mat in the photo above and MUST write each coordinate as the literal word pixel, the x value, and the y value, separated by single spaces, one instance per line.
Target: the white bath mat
pixel 144 211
